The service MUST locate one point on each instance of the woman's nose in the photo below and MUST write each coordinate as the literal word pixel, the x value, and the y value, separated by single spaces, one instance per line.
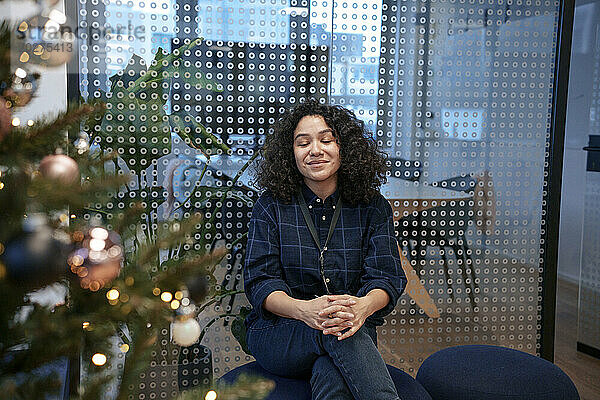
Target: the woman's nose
pixel 315 149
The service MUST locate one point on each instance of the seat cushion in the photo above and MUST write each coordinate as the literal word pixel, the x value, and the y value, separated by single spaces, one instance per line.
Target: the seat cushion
pixel 299 389
pixel 492 372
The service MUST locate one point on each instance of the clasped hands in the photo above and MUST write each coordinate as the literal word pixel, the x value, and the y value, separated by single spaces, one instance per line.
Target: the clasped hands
pixel 333 314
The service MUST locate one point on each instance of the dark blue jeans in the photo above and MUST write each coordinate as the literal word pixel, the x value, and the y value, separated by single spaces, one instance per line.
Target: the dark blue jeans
pixel 338 369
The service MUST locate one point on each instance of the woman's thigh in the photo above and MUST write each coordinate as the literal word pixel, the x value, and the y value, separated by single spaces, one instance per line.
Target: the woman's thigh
pixel 285 347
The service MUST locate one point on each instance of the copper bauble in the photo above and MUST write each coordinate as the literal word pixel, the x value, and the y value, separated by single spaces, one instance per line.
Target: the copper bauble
pixel 97 258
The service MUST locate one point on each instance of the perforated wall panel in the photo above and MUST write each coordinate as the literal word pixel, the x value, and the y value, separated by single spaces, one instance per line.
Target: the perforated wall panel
pixel 459 95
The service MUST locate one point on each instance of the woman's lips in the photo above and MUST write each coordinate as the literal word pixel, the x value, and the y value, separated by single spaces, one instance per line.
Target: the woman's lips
pixel 317 165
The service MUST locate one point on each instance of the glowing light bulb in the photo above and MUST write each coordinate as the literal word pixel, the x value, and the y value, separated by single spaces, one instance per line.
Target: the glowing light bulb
pixel 97 244
pixel 99 359
pixel 20 73
pixel 211 395
pixel 99 233
pixel 166 297
pixel 112 294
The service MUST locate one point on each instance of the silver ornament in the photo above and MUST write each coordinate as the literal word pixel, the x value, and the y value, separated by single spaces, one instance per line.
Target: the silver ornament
pixel 185 332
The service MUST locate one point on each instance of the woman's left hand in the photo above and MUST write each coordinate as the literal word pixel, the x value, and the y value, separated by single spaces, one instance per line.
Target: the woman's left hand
pixel 335 325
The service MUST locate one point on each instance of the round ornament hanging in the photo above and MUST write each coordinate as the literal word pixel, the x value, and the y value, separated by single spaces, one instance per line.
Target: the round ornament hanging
pixel 185 331
pixel 36 257
pixel 97 258
pixel 59 167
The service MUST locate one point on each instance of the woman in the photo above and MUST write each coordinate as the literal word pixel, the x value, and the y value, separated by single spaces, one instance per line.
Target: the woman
pixel 322 267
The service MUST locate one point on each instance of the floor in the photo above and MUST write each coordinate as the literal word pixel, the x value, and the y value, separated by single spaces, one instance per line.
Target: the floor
pixel 584 370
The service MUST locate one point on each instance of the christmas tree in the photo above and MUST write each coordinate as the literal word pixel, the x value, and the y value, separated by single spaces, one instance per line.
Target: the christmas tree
pixel 81 216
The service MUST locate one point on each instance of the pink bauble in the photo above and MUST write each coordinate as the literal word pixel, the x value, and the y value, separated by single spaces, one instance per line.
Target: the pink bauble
pixel 60 167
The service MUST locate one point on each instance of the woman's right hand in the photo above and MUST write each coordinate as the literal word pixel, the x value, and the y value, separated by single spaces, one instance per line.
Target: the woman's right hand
pixel 309 311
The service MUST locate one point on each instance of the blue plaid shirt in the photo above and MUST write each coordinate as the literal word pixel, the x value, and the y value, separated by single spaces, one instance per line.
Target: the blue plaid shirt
pixel 281 254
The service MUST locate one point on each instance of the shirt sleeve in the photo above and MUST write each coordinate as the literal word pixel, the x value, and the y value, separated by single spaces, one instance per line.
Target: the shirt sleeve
pixel 262 267
pixel 382 267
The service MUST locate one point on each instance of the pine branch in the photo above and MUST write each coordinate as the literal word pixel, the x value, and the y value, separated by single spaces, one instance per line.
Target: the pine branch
pixel 218 298
pixel 25 145
pixel 74 114
pixel 50 194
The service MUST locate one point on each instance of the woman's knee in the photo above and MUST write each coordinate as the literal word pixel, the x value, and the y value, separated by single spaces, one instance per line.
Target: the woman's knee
pixel 327 382
pixel 283 347
pixel 352 348
pixel 364 336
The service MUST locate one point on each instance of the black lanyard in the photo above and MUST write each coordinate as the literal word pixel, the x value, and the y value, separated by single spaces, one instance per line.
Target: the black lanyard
pixel 313 231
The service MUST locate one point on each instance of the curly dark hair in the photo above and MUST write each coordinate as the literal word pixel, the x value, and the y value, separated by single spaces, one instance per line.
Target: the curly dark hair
pixel 362 165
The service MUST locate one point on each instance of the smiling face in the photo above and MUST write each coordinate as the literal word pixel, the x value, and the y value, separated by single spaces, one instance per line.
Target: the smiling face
pixel 317 152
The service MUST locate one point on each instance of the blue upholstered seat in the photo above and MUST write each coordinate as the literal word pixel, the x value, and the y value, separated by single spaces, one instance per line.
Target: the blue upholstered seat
pixel 299 389
pixel 476 372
